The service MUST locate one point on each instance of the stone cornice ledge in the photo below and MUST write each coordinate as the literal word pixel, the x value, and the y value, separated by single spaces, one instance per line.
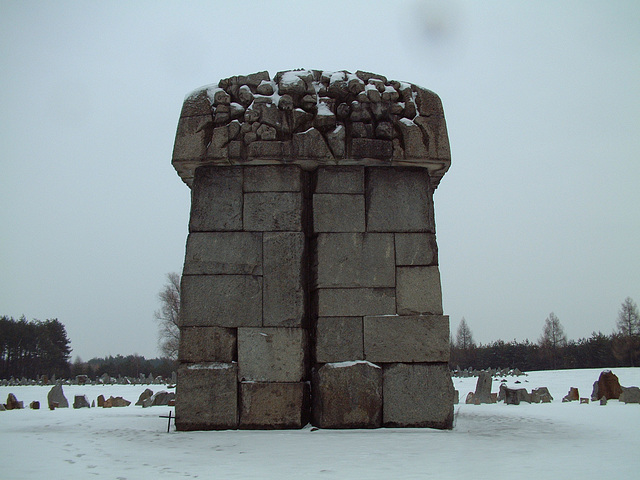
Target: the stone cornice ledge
pixel 312 118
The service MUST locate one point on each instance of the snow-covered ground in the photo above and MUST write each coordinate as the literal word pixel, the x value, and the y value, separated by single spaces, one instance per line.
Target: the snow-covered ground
pixel 546 441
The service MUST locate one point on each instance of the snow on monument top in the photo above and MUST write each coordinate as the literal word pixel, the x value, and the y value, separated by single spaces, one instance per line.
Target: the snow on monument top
pixel 312 118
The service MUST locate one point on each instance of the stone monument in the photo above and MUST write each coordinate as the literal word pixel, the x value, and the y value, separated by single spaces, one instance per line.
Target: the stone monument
pixel 311 290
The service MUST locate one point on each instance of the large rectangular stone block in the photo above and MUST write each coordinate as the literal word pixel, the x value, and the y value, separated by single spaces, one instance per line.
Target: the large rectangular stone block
pixel 399 199
pixel 409 339
pixel 339 339
pixel 192 137
pixel 416 249
pixel 284 281
pixel 347 179
pixel 273 212
pixel 355 260
pixel 273 178
pixel 355 302
pixel 207 344
pixel 272 354
pixel 338 213
pixel 221 301
pixel 207 397
pixel 213 253
pixel 418 290
pixel 216 199
pixel 347 395
pixel 274 405
pixel 417 395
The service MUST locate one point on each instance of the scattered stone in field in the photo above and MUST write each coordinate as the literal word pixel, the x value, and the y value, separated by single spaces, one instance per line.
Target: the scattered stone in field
pixel 101 400
pixel 603 400
pixel 630 395
pixel 93 404
pixel 56 395
pixel 513 396
pixel 541 395
pixel 13 403
pixel 608 386
pixel 80 401
pixel 148 393
pixel 572 395
pixel 2 409
pixel 584 400
pixel 35 405
pixel 483 389
pixel 162 398
pixel 116 402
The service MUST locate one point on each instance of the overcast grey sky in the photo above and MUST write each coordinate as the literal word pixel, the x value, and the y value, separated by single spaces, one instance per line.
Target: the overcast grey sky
pixel 538 213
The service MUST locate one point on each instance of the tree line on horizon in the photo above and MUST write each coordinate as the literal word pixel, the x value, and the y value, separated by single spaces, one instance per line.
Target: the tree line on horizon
pixel 553 350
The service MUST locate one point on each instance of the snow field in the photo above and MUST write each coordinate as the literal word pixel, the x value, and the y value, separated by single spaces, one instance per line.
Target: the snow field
pixel 551 441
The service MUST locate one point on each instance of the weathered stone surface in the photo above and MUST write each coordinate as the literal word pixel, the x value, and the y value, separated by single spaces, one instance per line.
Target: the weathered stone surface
pixel 272 354
pixel 347 179
pixel 541 395
pixel 371 148
pixel 417 395
pixel 311 144
pixel 273 178
pixel 608 386
pixel 416 249
pixel 13 403
pixel 161 398
pixel 56 395
pixel 146 395
pixel 355 302
pixel 338 213
pixel 213 253
pixel 399 200
pixel 274 405
pixel 207 397
pixel 284 281
pixel 216 200
pixel 392 338
pixel 207 344
pixel 192 138
pixel 355 260
pixel 513 396
pixel 221 301
pixel 414 146
pixel 265 149
pixel 80 401
pixel 573 394
pixel 483 387
pixel 35 405
pixel 339 339
pixel 348 395
pixel 273 211
pixel 630 395
pixel 418 290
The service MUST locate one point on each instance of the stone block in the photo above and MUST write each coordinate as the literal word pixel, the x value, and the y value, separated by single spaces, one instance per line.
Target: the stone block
pixel 407 339
pixel 221 301
pixel 338 213
pixel 371 148
pixel 265 149
pixel 272 354
pixel 413 141
pixel 274 405
pixel 418 290
pixel 417 395
pixel 399 199
pixel 216 199
pixel 192 137
pixel 214 253
pixel 338 339
pixel 284 282
pixel 207 397
pixel 347 395
pixel 311 144
pixel 355 260
pixel 355 302
pixel 273 178
pixel 343 179
pixel 416 249
pixel 273 211
pixel 207 344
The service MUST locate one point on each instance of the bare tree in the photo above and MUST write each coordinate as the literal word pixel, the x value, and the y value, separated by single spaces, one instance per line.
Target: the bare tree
pixel 628 324
pixel 167 316
pixel 553 338
pixel 464 337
